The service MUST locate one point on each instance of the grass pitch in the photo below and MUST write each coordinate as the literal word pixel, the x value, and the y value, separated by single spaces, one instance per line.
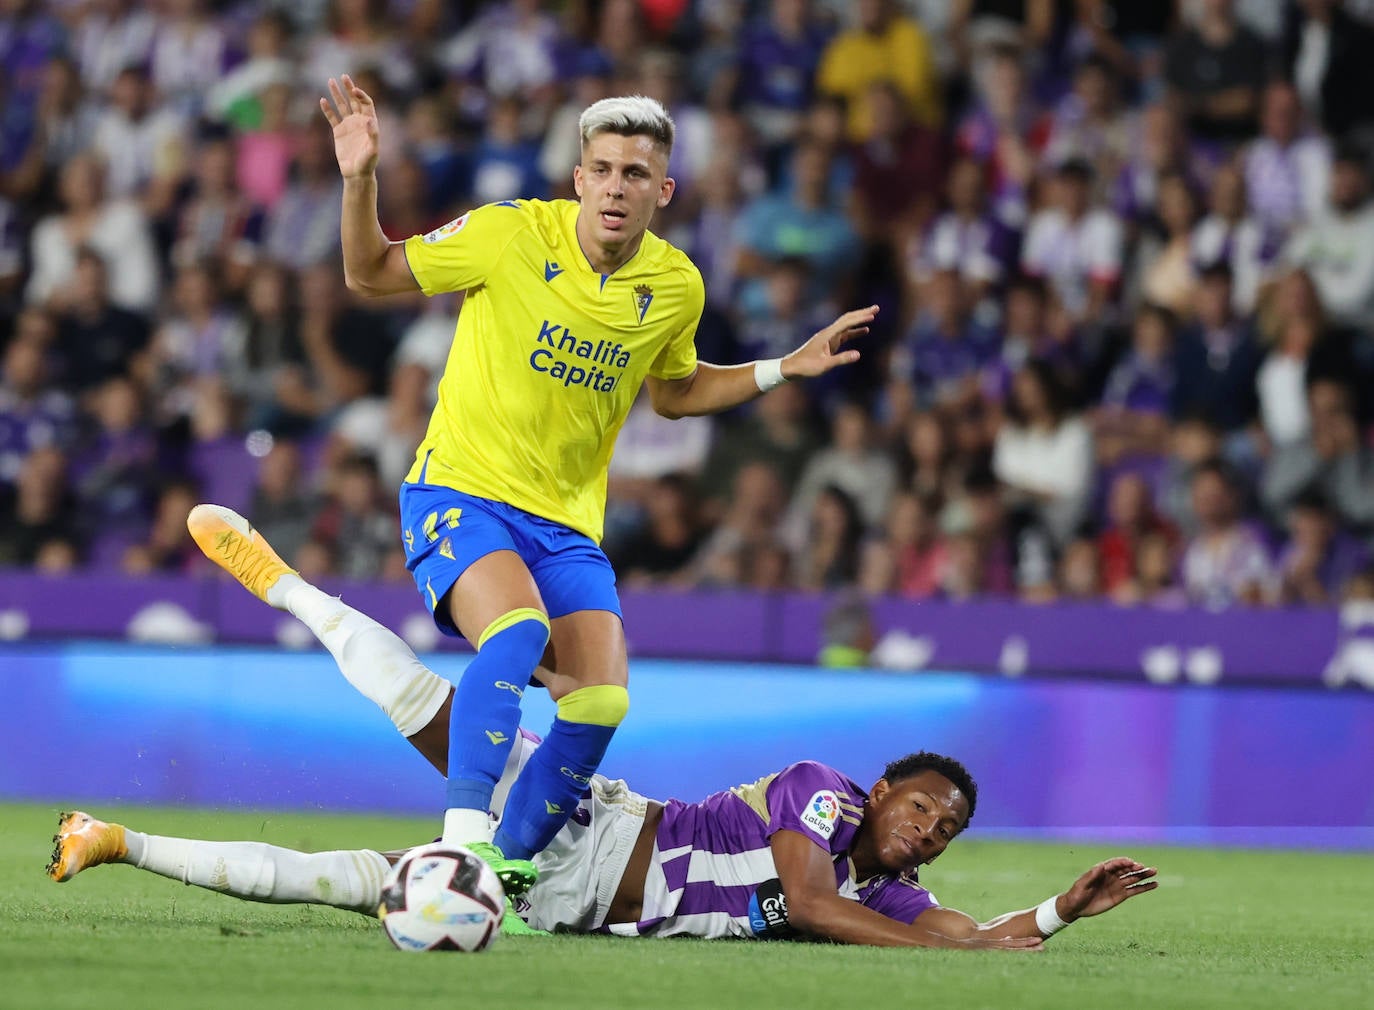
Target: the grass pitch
pixel 1225 929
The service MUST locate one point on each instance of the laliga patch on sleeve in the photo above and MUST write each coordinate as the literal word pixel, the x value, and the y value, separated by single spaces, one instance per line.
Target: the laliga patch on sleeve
pixel 822 813
pixel 445 230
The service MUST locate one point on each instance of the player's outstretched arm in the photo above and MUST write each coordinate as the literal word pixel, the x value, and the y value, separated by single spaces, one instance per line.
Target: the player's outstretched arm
pixel 715 388
pixel 1099 890
pixel 373 264
pixel 814 907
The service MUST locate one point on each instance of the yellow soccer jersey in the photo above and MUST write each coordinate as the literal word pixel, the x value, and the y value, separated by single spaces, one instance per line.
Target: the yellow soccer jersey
pixel 548 355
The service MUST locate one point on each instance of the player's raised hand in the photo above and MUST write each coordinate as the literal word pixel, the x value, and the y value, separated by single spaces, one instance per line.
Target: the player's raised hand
pixel 824 350
pixel 351 113
pixel 1105 886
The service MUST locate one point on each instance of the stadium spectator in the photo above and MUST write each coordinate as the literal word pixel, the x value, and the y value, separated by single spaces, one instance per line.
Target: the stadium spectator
pixel 668 539
pixel 37 510
pixel 358 33
pixel 1044 453
pixel 1217 357
pixel 851 463
pixel 829 555
pixel 352 522
pixel 505 165
pixel 1337 246
pixel 898 169
pixel 1320 558
pixel 263 151
pixel 1075 245
pixel 117 230
pixel 775 430
pixel 284 505
pixel 110 35
pixel 1166 275
pixel 96 340
pixel 302 228
pixel 1226 561
pixel 1161 146
pixel 947 348
pixel 168 547
pixel 1133 418
pixel 1088 123
pixel 237 97
pixel 64 120
pixel 758 501
pixel 1002 128
pixel 909 559
pixel 33 414
pixel 195 345
pixel 115 469
pixel 931 468
pixel 1131 518
pixel 883 44
pixel 1080 577
pixel 143 144
pixel 217 223
pixel 1230 235
pixel 1287 171
pixel 1331 459
pixel 190 53
pixel 1326 52
pixel 1215 68
pixel 1130 36
pixel 808 222
pixel 509 51
pixel 779 54
pixel 967 237
pixel 1156 581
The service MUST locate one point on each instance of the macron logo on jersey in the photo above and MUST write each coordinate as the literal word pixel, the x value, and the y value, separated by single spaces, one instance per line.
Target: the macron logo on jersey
pixel 551 270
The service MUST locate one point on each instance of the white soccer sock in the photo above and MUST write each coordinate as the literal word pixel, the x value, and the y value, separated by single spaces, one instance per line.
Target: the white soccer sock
pixel 375 661
pixel 463 826
pixel 256 871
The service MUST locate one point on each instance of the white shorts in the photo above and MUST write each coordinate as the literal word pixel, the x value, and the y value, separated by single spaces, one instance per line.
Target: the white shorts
pixel 581 869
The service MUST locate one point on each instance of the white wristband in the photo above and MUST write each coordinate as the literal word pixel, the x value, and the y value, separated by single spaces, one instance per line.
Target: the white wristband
pixel 1047 917
pixel 768 374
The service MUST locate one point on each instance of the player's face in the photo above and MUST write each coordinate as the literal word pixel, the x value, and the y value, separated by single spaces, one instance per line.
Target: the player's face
pixel 910 823
pixel 621 182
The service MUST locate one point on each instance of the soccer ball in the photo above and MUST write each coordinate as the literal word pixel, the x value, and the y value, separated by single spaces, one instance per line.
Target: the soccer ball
pixel 442 897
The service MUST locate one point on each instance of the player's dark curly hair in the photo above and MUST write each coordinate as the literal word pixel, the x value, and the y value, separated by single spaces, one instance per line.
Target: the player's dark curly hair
pixel 912 764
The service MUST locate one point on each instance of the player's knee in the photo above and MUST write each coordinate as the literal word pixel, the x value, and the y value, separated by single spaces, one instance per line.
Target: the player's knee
pixel 519 635
pixel 598 705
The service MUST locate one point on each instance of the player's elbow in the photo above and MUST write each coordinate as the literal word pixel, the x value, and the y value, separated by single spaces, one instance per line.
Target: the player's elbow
pixel 359 284
pixel 806 913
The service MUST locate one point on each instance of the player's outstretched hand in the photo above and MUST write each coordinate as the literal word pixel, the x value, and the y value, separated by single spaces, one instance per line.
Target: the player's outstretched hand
pixel 1105 886
pixel 824 350
pixel 356 135
pixel 1024 944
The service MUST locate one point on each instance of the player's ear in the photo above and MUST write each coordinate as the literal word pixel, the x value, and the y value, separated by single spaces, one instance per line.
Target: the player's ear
pixel 666 191
pixel 879 790
pixel 577 179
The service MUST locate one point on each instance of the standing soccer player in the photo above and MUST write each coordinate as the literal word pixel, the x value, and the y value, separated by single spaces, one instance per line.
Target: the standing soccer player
pixel 570 308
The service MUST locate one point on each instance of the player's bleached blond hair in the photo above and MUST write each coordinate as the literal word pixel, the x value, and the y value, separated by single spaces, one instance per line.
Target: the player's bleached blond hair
pixel 628 116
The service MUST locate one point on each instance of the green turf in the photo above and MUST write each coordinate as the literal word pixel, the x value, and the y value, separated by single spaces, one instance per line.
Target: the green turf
pixel 1225 929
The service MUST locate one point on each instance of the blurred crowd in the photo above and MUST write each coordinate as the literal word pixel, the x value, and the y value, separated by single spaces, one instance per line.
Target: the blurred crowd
pixel 1124 252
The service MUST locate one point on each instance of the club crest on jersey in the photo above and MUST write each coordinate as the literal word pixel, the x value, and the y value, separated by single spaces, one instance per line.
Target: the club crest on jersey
pixel 822 813
pixel 445 230
pixel 644 295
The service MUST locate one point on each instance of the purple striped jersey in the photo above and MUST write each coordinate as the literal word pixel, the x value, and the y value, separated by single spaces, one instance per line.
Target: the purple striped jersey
pixel 712 873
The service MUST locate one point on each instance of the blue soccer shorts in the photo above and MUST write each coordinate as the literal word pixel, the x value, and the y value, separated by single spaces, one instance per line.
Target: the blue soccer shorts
pixel 444 531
